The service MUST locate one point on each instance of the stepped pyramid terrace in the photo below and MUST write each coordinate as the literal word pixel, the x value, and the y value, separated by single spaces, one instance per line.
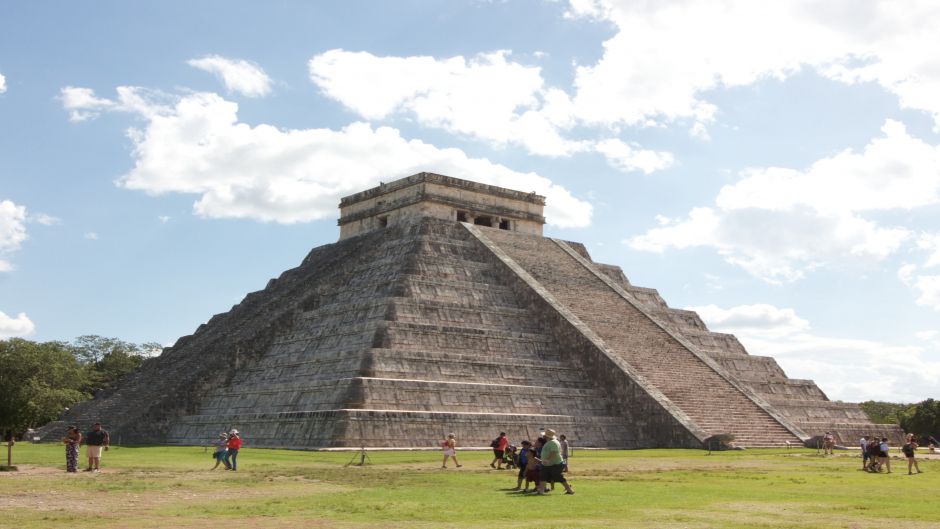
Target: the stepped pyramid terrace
pixel 442 308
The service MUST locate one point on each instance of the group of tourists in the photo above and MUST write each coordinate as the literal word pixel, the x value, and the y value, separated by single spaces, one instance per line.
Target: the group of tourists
pixel 876 454
pixel 540 463
pixel 96 441
pixel 226 450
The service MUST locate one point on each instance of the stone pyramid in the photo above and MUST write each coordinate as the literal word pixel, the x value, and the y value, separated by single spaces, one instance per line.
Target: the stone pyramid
pixel 442 308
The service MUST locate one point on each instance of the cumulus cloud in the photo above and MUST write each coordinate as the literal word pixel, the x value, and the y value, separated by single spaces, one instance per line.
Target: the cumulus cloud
pixel 17 327
pixel 779 223
pixel 926 286
pixel 90 235
pixel 3 83
pixel 261 172
pixel 487 97
pixel 665 56
pixel 238 75
pixel 762 319
pixel 83 104
pixel 630 157
pixel 845 368
pixel 12 231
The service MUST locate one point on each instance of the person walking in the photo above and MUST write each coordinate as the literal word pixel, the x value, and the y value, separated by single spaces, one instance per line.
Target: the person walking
pixel 499 449
pixel 449 447
pixel 233 445
pixel 909 448
pixel 829 442
pixel 863 443
pixel 564 452
pixel 96 441
pixel 552 464
pixel 524 454
pixel 72 439
pixel 884 455
pixel 221 447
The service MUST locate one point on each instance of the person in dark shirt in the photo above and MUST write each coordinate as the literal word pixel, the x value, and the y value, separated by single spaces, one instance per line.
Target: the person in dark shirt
pixel 96 440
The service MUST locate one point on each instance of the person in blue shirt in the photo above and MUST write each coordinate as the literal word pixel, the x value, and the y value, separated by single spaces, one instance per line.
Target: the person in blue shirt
pixel 523 461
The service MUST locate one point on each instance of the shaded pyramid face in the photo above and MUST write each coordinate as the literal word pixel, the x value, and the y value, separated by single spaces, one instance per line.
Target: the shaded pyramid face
pixel 396 337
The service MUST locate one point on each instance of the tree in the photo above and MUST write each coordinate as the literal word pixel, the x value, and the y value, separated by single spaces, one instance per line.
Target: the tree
pixel 108 359
pixel 883 412
pixel 37 382
pixel 922 419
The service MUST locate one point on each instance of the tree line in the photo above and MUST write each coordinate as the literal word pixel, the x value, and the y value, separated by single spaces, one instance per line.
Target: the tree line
pixel 40 380
pixel 921 419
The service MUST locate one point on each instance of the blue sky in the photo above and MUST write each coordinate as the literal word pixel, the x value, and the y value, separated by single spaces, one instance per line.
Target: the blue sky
pixel 776 168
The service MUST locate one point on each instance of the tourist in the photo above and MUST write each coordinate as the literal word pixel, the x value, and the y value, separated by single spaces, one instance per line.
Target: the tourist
pixel 221 446
pixel 233 445
pixel 909 448
pixel 96 440
pixel 874 451
pixel 933 444
pixel 72 439
pixel 532 470
pixel 510 457
pixel 499 448
pixel 552 464
pixel 883 454
pixel 564 452
pixel 449 446
pixel 829 442
pixel 522 462
pixel 863 443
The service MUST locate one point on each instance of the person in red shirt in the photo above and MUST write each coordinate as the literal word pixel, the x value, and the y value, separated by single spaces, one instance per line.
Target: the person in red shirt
pixel 234 444
pixel 499 449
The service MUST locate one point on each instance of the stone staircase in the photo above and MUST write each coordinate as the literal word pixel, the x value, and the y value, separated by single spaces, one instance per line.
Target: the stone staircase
pixel 697 386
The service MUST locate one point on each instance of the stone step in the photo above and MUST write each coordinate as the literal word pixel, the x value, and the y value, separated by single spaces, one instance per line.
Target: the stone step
pixel 398 428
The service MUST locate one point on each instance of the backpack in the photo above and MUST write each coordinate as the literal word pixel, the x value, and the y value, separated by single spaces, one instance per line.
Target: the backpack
pixel 495 443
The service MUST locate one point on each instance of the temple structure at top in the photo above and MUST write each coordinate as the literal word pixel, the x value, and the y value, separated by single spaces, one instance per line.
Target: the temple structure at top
pixel 442 197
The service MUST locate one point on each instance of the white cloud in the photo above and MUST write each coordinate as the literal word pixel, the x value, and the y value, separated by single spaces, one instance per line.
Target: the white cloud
pixel 846 369
pixel 44 219
pixel 163 219
pixel 779 223
pixel 3 83
pixel 12 231
pixel 761 319
pixel 199 147
pixel 926 286
pixel 83 104
pixel 90 235
pixel 630 157
pixel 487 97
pixel 666 56
pixel 239 76
pixel 930 242
pixel 17 327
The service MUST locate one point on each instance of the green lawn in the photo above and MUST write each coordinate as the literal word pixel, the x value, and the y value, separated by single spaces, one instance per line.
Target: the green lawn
pixel 172 487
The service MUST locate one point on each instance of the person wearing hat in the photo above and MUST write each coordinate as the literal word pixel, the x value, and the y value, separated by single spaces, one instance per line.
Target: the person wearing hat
pixel 221 447
pixel 233 445
pixel 552 464
pixel 96 440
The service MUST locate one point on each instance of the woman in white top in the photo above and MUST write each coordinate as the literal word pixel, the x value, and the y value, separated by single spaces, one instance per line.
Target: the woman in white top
pixel 449 446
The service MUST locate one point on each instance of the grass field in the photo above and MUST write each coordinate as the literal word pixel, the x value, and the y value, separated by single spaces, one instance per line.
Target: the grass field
pixel 172 487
